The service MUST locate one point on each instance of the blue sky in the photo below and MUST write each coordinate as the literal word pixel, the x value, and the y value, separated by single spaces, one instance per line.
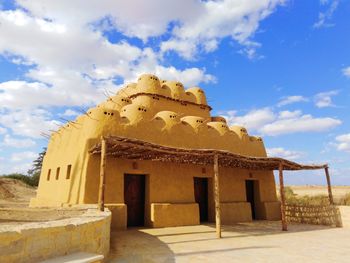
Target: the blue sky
pixel 281 68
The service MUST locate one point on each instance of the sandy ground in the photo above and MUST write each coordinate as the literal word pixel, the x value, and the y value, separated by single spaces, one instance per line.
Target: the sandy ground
pixel 15 193
pixel 14 200
pixel 259 241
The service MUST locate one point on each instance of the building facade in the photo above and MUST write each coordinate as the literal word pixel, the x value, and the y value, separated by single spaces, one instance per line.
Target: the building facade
pixel 151 193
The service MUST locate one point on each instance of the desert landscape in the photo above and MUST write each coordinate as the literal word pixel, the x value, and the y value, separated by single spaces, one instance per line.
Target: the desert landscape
pixel 167 131
pixel 15 196
pixel 198 243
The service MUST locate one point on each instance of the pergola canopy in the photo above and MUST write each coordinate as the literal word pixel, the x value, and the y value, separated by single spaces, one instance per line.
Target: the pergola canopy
pixel 128 148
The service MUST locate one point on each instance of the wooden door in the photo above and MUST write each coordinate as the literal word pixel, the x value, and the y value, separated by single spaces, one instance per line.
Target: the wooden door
pixel 249 187
pixel 201 197
pixel 134 198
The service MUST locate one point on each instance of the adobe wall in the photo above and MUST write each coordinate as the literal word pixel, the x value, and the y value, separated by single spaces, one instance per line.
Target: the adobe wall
pixel 170 197
pixel 34 242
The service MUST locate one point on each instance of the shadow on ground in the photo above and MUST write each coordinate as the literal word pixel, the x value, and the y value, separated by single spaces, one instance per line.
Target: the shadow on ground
pixel 168 244
pixel 134 245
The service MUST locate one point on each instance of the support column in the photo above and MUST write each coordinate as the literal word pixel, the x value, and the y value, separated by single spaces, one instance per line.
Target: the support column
pixel 337 216
pixel 330 195
pixel 101 190
pixel 283 198
pixel 217 196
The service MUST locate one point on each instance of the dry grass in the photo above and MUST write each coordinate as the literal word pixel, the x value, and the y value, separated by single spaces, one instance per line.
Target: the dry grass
pixel 316 195
pixel 345 200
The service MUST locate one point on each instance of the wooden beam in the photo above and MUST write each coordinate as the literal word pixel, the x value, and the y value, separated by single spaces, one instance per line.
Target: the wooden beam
pixel 283 198
pixel 330 195
pixel 129 146
pixel 217 196
pixel 101 190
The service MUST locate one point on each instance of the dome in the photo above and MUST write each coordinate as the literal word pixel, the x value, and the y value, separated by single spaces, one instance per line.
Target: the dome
pixel 194 121
pixel 148 83
pixel 134 113
pixel 176 89
pixel 166 119
pixel 218 118
pixel 240 131
pixel 128 90
pixel 199 94
pixel 220 127
pixel 188 96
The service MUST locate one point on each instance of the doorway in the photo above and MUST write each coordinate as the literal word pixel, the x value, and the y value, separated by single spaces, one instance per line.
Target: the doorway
pixel 201 197
pixel 250 188
pixel 134 198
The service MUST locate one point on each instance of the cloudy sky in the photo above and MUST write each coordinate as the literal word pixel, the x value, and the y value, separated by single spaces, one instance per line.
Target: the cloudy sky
pixel 279 67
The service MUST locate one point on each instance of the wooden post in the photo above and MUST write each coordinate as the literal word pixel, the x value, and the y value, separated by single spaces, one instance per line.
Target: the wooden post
pixel 217 196
pixel 330 195
pixel 101 190
pixel 283 198
pixel 337 216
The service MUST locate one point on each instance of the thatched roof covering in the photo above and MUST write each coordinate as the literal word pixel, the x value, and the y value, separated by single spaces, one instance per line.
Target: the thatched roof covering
pixel 127 148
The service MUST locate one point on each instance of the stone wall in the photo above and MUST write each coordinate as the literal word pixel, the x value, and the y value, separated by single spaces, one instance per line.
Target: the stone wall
pixel 33 242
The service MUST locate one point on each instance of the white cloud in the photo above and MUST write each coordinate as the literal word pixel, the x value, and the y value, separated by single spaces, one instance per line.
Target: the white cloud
pixel 343 142
pixel 324 99
pixel 22 94
pixel 289 114
pixel 70 112
pixel 187 23
pixel 17 143
pixel 291 99
pixel 267 122
pixel 72 63
pixel 3 130
pixel 65 70
pixel 189 77
pixel 325 16
pixel 22 156
pixel 237 20
pixel 346 71
pixel 136 18
pixel 19 167
pixel 283 153
pixel 185 48
pixel 57 44
pixel 28 123
pixel 303 123
pixel 253 120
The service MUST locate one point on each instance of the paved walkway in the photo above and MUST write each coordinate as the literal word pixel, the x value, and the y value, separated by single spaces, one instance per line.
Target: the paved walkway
pixel 259 241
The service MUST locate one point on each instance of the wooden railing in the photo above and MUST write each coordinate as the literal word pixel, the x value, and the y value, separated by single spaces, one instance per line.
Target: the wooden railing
pixel 328 215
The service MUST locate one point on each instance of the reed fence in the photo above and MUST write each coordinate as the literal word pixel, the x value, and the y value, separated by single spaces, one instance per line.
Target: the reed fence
pixel 328 215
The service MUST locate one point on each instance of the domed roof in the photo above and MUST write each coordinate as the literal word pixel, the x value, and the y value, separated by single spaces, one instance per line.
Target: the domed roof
pixel 176 88
pixel 199 94
pixel 164 112
pixel 148 83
